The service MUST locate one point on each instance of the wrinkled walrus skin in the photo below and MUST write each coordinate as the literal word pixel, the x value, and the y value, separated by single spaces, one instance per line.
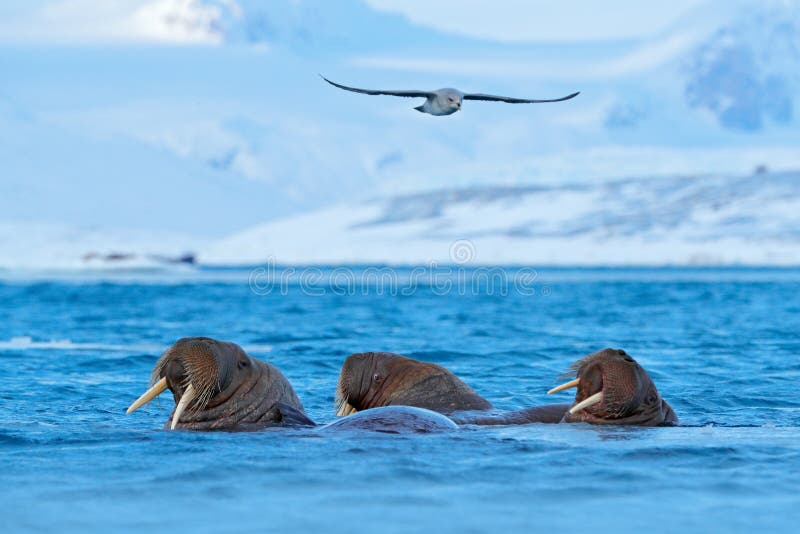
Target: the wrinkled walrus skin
pixel 373 379
pixel 217 386
pixel 613 388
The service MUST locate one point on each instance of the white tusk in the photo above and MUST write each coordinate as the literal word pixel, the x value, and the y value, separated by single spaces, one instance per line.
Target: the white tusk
pixel 562 387
pixel 588 401
pixel 345 409
pixel 187 397
pixel 157 389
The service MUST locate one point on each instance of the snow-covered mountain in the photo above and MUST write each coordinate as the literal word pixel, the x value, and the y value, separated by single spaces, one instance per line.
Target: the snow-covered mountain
pixel 712 219
pixel 31 246
pixel 746 72
pixel 683 220
pixel 206 140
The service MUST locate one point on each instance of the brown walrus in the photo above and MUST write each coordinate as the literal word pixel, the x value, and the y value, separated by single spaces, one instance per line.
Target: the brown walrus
pixel 217 386
pixel 612 389
pixel 615 390
pixel 394 420
pixel 372 379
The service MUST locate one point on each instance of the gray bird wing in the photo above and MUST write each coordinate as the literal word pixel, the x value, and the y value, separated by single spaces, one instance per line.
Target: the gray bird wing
pixel 494 98
pixel 410 93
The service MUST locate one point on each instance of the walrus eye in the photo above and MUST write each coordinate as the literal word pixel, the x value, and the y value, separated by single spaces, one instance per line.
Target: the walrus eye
pixel 377 377
pixel 651 398
pixel 242 364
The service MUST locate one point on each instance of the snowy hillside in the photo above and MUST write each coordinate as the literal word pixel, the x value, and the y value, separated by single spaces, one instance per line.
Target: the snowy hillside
pixel 233 129
pixel 249 119
pixel 682 220
pixel 51 247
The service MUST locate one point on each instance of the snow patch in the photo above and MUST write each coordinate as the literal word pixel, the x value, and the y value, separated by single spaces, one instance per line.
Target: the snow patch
pixel 706 220
pixel 42 246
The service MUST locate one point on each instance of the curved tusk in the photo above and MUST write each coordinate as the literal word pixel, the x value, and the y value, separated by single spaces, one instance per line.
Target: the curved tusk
pixel 157 389
pixel 588 401
pixel 562 387
pixel 345 409
pixel 187 397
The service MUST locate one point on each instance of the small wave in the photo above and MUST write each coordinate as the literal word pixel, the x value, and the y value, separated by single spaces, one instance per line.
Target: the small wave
pixel 257 348
pixel 27 343
pixel 11 440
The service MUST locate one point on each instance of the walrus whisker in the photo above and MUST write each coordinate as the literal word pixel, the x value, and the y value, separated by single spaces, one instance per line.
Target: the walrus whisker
pixel 157 389
pixel 187 397
pixel 345 408
pixel 585 403
pixel 203 396
pixel 203 387
pixel 567 385
pixel 202 378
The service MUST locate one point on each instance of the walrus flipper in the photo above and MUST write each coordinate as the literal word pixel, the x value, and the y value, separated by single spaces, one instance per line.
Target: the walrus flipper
pixel 290 416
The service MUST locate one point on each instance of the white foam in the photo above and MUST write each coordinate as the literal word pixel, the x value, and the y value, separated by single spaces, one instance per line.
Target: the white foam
pixel 28 343
pixel 257 348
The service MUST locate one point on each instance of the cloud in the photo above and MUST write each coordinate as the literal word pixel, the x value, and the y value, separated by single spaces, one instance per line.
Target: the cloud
pixel 118 21
pixel 542 20
pixel 647 56
pixel 650 56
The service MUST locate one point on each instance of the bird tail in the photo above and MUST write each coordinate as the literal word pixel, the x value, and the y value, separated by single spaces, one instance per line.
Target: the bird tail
pixel 421 108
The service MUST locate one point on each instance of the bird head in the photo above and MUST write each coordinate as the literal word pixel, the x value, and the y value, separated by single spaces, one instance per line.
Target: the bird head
pixel 451 99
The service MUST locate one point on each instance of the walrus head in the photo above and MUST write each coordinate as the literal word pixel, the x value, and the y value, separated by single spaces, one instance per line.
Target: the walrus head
pixel 615 390
pixel 374 379
pixel 217 386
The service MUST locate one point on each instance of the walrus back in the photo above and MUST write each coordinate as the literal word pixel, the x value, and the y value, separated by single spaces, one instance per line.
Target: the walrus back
pixel 444 393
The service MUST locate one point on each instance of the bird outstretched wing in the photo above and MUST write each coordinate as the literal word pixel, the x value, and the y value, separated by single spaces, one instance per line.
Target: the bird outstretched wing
pixel 510 100
pixel 409 93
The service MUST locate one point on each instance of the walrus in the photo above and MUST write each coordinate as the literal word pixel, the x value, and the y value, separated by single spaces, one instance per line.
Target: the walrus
pixel 394 420
pixel 216 385
pixel 372 379
pixel 612 389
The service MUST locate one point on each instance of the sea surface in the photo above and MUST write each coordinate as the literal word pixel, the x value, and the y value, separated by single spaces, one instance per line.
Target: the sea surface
pixel 722 346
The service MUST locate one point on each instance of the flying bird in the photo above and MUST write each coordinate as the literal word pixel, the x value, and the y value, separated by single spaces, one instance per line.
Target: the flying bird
pixel 445 101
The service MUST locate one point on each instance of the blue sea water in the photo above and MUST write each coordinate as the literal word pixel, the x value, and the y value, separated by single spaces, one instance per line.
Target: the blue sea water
pixel 721 344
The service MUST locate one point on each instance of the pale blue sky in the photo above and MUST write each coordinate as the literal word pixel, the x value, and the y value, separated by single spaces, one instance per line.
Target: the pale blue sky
pixel 518 20
pixel 188 21
pixel 87 133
